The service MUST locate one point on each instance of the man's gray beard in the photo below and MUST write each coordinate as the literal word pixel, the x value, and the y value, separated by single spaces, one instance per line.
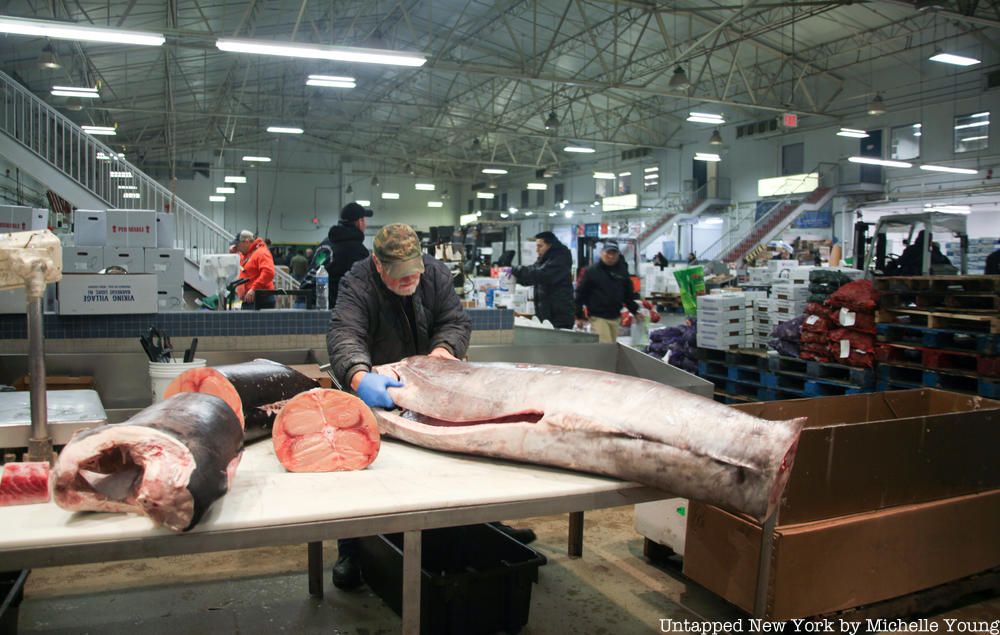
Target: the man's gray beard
pixel 409 292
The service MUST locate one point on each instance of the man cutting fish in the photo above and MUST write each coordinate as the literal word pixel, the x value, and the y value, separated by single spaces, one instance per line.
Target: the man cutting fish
pixel 396 304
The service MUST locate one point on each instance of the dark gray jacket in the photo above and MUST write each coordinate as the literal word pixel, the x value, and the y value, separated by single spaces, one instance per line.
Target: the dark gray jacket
pixel 369 326
pixel 553 283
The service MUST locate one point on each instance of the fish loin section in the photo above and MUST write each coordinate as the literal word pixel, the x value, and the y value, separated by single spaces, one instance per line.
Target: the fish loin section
pixel 599 422
pixel 24 483
pixel 256 391
pixel 325 431
pixel 169 462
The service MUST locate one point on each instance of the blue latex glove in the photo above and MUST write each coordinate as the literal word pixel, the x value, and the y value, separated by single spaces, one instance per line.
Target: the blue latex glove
pixel 372 390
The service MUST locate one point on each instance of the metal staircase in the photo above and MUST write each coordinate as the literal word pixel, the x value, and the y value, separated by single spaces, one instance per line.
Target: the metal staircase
pixel 90 175
pixel 776 220
pixel 714 193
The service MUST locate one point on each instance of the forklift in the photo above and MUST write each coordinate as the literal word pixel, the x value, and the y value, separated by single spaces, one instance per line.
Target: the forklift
pixel 920 230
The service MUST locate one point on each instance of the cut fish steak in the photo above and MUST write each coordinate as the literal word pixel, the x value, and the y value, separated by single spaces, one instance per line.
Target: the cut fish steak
pixel 595 421
pixel 24 483
pixel 325 431
pixel 170 462
pixel 256 391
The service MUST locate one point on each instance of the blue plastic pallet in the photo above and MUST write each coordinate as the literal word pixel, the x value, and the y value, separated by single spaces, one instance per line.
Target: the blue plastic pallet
pixel 984 344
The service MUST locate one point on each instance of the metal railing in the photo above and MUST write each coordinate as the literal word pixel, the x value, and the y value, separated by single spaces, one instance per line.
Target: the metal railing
pixel 715 187
pixel 17 193
pixel 108 175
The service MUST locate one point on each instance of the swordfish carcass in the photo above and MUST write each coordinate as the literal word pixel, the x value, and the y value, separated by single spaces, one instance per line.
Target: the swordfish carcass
pixel 594 421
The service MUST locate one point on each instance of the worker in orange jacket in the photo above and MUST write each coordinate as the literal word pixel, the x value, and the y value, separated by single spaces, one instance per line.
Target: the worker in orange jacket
pixel 257 266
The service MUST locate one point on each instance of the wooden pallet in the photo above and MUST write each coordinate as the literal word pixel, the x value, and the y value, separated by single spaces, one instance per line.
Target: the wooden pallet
pixel 953 285
pixel 938 359
pixel 983 344
pixel 988 323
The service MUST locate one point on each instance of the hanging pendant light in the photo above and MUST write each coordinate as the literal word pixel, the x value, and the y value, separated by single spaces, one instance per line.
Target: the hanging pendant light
pixel 350 189
pixel 552 122
pixel 679 80
pixel 877 107
pixel 74 104
pixel 375 182
pixel 715 139
pixel 47 59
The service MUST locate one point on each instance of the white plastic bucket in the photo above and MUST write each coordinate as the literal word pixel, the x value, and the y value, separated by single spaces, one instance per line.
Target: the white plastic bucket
pixel 162 373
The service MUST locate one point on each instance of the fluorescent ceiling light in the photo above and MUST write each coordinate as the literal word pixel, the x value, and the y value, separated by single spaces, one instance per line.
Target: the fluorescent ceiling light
pixel 882 162
pixel 284 130
pixel 652 169
pixel 128 187
pixel 704 117
pixel 486 195
pixel 974 124
pixel 624 174
pixel 945 168
pixel 331 81
pixel 504 215
pixel 712 220
pixel 537 186
pixel 363 203
pixel 320 52
pixel 130 195
pixel 981 114
pixel 494 171
pixel 105 131
pixel 707 156
pixel 68 31
pixel 851 132
pixel 568 213
pixel 235 179
pixel 580 149
pixel 650 177
pixel 957 60
pixel 604 175
pixel 225 190
pixel 512 210
pixel 551 214
pixel 103 157
pixel 392 196
pixel 217 199
pixel 435 204
pixel 529 213
pixel 948 209
pixel 120 175
pixel 426 187
pixel 974 138
pixel 71 91
pixel 257 159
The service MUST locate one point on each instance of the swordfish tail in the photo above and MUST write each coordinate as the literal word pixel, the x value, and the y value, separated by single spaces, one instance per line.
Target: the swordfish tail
pixel 598 422
pixel 170 462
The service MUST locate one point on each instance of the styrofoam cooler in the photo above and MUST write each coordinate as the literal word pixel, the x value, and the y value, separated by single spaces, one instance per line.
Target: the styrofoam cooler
pixel 90 227
pixel 131 228
pixel 167 264
pixel 83 259
pixel 166 230
pixel 133 259
pixel 664 522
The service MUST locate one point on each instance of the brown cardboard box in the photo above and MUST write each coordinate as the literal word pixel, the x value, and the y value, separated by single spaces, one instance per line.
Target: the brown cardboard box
pixel 890 493
pixel 313 372
pixel 840 563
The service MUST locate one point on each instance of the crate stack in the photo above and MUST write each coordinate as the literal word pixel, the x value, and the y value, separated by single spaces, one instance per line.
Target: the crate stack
pixel 979 249
pixel 940 332
pixel 754 297
pixel 763 322
pixel 722 320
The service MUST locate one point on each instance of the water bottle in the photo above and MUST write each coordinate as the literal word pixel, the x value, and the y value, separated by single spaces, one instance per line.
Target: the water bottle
pixel 322 289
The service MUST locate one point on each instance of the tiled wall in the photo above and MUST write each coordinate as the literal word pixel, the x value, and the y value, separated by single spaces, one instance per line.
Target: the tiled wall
pixel 209 324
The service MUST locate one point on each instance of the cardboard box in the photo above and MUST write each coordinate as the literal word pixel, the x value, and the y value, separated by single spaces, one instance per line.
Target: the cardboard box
pixel 90 227
pixel 167 264
pixel 96 294
pixel 166 230
pixel 890 493
pixel 18 218
pixel 720 303
pixel 720 342
pixel 800 275
pixel 131 228
pixel 790 292
pixel 83 259
pixel 170 299
pixel 131 258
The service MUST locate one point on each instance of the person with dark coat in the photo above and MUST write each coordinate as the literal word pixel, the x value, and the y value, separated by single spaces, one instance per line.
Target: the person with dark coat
pixel 604 289
pixel 993 264
pixel 552 278
pixel 347 246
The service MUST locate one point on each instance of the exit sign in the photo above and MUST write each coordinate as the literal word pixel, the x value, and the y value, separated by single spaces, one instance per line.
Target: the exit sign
pixel 790 120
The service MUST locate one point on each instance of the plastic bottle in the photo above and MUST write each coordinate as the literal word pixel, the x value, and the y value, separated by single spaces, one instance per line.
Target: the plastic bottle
pixel 322 289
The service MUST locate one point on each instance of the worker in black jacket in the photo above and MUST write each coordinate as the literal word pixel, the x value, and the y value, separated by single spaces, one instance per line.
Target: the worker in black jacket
pixel 604 289
pixel 347 244
pixel 553 280
pixel 393 305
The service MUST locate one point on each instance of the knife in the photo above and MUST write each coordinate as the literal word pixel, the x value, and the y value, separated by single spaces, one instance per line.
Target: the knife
pixel 189 353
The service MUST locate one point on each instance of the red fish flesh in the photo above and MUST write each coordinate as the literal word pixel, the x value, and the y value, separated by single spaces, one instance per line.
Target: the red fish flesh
pixel 325 431
pixel 594 421
pixel 170 462
pixel 24 483
pixel 255 390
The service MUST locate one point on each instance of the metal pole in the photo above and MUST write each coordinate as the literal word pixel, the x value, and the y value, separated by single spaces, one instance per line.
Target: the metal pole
pixel 39 444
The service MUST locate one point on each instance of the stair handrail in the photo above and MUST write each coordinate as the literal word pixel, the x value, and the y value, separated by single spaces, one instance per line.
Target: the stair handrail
pixel 38 127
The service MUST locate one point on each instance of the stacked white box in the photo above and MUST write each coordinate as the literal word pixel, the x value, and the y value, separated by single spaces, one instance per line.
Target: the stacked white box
pixel 168 265
pixel 131 228
pixel 780 270
pixel 783 310
pixel 82 259
pixel 790 292
pixel 90 227
pixel 759 275
pixel 800 275
pixel 18 218
pixel 170 300
pixel 722 321
pixel 165 230
pixel 131 258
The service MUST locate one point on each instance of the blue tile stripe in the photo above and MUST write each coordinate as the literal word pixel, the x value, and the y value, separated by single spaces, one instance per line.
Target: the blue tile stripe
pixel 208 324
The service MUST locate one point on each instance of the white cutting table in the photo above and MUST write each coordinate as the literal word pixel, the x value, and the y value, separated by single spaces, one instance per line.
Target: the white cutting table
pixel 407 489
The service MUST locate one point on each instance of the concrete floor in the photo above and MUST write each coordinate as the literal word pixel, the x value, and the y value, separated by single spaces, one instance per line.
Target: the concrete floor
pixel 612 590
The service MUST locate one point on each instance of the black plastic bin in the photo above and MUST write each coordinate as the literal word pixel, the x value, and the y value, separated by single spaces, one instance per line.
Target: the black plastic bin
pixel 475 580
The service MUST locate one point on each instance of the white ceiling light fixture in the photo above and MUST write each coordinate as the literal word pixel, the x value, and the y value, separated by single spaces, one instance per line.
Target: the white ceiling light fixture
pixel 225 190
pixel 529 213
pixel 948 209
pixel 321 52
pixel 74 91
pixel 707 156
pixel 655 168
pixel 853 133
pixel 435 204
pixel 331 81
pixel 715 139
pixel 624 174
pixel 235 179
pixel 579 149
pixel 390 196
pixel 604 175
pixel 128 187
pixel 945 168
pixel 284 130
pixel 253 159
pixel 131 195
pixel 551 214
pixel 706 117
pixel 713 220
pixel 486 195
pixel 537 186
pixel 882 162
pixel 425 187
pixel 217 199
pixel 105 131
pixel 69 31
pixel 494 171
pixel 47 59
pixel 363 203
pixel 120 174
pixel 956 60
pixel 103 157
pixel 504 215
pixel 877 107
pixel 568 213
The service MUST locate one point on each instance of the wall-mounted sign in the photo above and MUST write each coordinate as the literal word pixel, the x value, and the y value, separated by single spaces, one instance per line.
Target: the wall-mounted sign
pixel 620 203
